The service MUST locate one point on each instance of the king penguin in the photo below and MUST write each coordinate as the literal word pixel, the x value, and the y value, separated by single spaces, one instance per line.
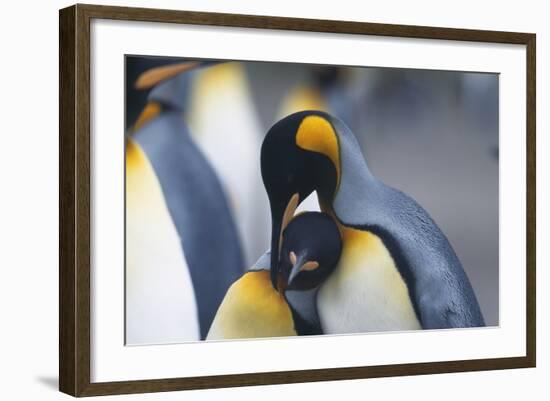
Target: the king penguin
pixel 324 88
pixel 303 96
pixel 397 270
pixel 252 308
pixel 182 247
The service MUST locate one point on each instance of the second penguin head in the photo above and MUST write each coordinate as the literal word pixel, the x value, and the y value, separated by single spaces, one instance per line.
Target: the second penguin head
pixel 310 250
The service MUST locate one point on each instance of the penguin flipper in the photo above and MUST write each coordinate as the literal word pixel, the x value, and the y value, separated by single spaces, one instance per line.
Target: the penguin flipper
pixel 445 311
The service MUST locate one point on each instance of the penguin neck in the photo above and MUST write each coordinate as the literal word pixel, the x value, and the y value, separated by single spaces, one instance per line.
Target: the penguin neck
pixel 357 184
pixel 355 187
pixel 171 93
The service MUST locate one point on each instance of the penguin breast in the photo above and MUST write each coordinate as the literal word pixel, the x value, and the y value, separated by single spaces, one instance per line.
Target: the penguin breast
pixel 366 292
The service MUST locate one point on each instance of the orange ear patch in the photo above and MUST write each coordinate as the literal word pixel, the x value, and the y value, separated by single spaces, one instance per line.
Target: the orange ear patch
pixel 310 265
pixel 151 110
pixel 316 134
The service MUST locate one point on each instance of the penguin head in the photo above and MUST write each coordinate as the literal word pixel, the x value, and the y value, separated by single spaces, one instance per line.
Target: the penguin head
pixel 310 250
pixel 300 154
pixel 168 83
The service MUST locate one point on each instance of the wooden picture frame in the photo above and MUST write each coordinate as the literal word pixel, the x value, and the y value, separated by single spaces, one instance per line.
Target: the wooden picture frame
pixel 75 207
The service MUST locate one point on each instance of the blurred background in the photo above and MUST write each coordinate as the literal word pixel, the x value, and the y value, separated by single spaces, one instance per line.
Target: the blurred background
pixel 432 134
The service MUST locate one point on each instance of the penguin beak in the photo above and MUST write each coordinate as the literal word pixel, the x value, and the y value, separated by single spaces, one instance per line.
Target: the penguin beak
pixel 152 77
pixel 296 268
pixel 279 225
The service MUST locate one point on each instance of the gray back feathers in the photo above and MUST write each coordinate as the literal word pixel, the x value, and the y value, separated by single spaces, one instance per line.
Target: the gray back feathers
pixel 439 288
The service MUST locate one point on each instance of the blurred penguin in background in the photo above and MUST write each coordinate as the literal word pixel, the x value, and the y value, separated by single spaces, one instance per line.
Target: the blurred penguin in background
pixel 182 246
pixel 227 129
pixel 324 88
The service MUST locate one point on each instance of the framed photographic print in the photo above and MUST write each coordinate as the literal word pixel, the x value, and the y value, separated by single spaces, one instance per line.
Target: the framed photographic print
pixel 251 200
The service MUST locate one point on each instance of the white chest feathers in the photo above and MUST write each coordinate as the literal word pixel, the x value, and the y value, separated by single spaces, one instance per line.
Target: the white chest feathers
pixel 366 292
pixel 160 299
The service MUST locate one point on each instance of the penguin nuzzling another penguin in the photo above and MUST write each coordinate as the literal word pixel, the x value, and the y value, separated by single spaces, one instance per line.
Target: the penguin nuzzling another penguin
pixel 397 270
pixel 252 308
